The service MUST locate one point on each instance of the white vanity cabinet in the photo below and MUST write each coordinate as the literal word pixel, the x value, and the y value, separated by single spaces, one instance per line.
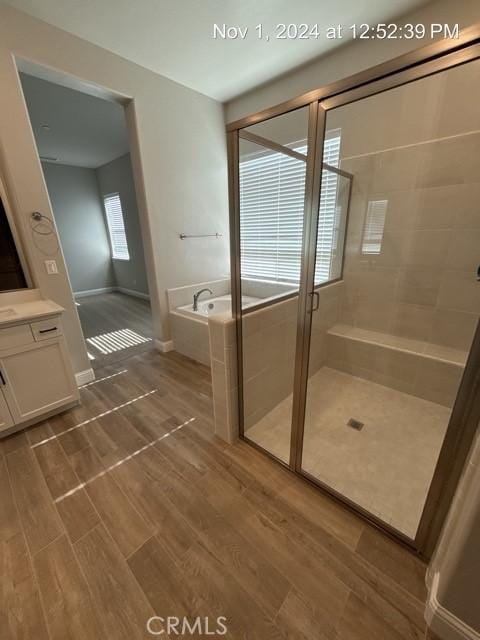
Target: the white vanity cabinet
pixel 36 378
pixel 6 419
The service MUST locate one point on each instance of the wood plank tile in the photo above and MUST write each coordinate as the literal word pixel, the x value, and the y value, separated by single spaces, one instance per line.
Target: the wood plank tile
pixel 122 606
pixel 9 520
pixel 360 622
pixel 13 442
pixel 39 432
pixel 73 441
pixel 57 471
pixel 307 620
pixel 72 502
pixel 206 527
pixel 39 519
pixel 224 596
pixel 317 587
pixel 78 514
pixel 124 523
pixel 121 432
pixel 147 496
pixel 251 568
pixel 21 616
pixel 325 512
pixel 390 558
pixel 65 595
pixel 163 581
pixel 380 592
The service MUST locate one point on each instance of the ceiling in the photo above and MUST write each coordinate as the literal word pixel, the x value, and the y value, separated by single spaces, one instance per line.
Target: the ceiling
pixel 174 37
pixel 73 127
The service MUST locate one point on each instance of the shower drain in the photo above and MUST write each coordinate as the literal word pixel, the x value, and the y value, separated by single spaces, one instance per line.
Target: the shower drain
pixel 355 424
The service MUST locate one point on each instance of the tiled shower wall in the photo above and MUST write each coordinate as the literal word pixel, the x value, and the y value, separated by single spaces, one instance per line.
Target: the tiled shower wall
pixel 269 337
pixel 422 285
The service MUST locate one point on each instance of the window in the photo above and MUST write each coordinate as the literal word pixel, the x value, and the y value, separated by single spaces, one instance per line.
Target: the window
pixel 116 228
pixel 272 193
pixel 374 225
pixel 328 213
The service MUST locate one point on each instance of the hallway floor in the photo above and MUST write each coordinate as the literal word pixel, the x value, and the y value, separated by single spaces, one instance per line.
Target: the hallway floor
pixel 128 506
pixel 401 438
pixel 115 326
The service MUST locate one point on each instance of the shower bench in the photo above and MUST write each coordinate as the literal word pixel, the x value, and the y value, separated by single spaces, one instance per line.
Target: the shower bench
pixel 417 367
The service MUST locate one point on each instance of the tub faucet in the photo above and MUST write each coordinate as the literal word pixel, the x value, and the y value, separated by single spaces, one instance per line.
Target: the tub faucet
pixel 197 295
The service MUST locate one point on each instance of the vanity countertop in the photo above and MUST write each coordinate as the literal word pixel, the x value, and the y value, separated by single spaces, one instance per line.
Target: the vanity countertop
pixel 29 310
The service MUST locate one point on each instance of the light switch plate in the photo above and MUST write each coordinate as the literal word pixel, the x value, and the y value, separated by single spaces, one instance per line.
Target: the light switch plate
pixel 51 266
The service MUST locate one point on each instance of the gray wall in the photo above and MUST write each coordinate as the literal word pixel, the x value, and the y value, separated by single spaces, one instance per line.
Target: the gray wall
pixel 116 176
pixel 81 225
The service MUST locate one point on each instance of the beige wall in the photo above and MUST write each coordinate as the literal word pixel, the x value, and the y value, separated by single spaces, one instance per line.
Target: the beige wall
pixel 349 59
pixel 180 155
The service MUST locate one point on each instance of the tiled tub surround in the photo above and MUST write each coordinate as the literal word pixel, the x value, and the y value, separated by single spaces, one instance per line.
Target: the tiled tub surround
pixel 190 328
pixel 223 353
pixel 190 334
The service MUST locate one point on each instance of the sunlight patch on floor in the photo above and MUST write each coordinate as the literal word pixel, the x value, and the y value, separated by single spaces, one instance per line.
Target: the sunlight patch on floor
pixel 116 341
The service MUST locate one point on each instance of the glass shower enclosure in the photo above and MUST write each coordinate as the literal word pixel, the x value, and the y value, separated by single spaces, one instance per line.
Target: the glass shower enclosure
pixel 355 237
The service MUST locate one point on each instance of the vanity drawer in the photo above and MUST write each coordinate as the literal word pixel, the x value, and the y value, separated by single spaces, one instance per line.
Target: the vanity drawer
pixel 46 329
pixel 15 336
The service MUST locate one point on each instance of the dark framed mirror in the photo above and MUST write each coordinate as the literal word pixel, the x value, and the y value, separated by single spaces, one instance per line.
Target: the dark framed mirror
pixel 12 274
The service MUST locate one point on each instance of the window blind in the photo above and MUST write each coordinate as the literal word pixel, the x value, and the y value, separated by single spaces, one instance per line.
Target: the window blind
pixel 116 227
pixel 374 225
pixel 328 214
pixel 272 192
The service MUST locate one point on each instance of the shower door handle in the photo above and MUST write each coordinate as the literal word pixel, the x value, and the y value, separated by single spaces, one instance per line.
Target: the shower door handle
pixel 315 301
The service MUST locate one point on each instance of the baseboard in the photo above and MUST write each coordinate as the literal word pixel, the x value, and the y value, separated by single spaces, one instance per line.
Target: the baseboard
pixel 93 292
pixel 131 292
pixel 164 347
pixel 96 292
pixel 82 377
pixel 442 622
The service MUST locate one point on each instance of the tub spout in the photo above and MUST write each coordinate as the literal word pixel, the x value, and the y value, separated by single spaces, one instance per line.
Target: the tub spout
pixel 197 295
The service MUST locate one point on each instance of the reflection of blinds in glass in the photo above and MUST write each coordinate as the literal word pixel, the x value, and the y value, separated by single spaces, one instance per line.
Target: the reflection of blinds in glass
pixel 328 214
pixel 374 225
pixel 272 193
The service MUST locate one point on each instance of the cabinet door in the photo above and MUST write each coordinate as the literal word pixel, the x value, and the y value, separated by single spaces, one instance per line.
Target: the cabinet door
pixel 6 420
pixel 37 380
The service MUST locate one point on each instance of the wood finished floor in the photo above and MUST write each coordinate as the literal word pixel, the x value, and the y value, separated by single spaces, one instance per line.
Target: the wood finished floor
pixel 142 511
pixel 107 312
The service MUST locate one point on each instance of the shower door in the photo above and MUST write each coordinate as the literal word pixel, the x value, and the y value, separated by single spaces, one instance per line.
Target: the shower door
pixel 392 309
pixel 355 235
pixel 273 160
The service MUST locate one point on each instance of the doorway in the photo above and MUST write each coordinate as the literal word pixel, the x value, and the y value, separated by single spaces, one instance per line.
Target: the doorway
pixel 83 145
pixel 359 371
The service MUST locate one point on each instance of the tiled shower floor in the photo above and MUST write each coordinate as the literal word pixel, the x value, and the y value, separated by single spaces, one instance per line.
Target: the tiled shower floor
pixel 387 466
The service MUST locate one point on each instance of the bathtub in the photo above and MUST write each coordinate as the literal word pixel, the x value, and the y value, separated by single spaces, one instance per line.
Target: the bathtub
pixel 190 328
pixel 210 306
